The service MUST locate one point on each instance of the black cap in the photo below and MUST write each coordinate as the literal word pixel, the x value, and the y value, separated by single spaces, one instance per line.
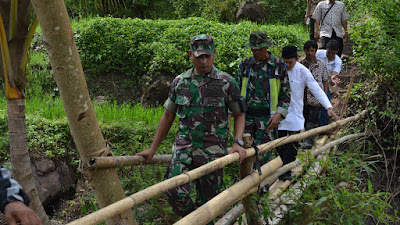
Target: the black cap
pixel 289 52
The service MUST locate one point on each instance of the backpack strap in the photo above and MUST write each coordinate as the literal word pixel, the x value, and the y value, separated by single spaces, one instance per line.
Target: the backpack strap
pixel 245 81
pixel 327 12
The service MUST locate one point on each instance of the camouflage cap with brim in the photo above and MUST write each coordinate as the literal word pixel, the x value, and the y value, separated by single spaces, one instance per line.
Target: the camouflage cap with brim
pixel 202 44
pixel 258 39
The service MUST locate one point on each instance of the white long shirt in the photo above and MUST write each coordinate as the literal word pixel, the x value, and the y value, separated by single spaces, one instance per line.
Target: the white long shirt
pixel 299 78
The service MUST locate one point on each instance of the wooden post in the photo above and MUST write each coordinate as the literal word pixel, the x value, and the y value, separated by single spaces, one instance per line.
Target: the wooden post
pixel 246 168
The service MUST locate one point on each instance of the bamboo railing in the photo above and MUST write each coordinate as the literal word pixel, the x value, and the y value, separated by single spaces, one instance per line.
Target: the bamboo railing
pixel 210 209
pixel 219 203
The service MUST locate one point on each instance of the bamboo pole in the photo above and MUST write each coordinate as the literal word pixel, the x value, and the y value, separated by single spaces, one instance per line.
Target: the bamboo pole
pixel 230 217
pixel 284 140
pixel 156 189
pixel 246 168
pixel 219 203
pixel 289 197
pixel 233 214
pixel 337 142
pixel 165 185
pixel 288 167
pixel 346 101
pixel 121 161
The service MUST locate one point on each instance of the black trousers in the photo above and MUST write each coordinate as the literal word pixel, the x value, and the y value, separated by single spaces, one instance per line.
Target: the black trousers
pixel 287 152
pixel 311 116
pixel 325 40
pixel 312 21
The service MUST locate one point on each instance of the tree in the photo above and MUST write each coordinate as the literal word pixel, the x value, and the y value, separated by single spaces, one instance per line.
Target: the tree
pixel 15 37
pixel 59 40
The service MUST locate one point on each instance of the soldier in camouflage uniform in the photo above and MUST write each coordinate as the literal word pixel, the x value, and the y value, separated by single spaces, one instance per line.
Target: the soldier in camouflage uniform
pixel 200 97
pixel 264 85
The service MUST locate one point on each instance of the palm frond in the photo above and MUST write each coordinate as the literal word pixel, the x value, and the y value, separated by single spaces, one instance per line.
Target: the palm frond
pixel 27 44
pixel 11 91
pixel 13 19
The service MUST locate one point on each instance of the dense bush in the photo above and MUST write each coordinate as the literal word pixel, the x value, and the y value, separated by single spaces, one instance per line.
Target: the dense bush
pixel 285 12
pixel 223 10
pixel 376 33
pixel 123 9
pixel 376 36
pixel 137 47
pixel 218 10
pixel 341 195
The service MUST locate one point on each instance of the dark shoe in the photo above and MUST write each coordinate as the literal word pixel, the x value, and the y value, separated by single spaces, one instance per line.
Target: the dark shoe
pixel 286 176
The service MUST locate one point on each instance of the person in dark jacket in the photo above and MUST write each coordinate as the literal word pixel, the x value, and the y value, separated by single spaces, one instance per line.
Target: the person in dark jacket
pixel 14 201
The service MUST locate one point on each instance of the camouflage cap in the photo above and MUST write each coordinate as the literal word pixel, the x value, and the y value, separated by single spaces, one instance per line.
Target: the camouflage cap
pixel 202 44
pixel 258 39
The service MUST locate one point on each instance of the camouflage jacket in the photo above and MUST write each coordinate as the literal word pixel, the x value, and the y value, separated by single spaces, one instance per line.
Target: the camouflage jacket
pixel 264 76
pixel 10 190
pixel 201 103
pixel 320 72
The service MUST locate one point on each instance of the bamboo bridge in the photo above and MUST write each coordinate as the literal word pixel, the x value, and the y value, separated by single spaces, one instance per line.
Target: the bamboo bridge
pixel 238 193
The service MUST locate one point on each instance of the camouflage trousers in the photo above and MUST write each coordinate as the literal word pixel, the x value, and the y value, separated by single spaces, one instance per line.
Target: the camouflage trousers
pixel 257 127
pixel 207 186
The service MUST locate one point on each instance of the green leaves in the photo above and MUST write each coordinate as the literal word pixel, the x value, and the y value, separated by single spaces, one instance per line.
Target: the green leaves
pixel 137 47
pixel 376 34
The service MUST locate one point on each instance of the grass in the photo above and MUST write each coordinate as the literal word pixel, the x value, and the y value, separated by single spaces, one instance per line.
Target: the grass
pixel 107 113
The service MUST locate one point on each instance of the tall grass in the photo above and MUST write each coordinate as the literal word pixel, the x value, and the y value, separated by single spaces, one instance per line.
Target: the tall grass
pixel 124 115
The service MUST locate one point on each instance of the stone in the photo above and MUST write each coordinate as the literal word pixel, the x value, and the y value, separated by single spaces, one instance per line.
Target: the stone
pixel 52 178
pixel 48 187
pixel 156 91
pixel 44 166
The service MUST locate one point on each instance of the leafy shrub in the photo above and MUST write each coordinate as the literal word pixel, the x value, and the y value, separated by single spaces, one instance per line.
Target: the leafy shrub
pixel 123 9
pixel 341 196
pixel 294 11
pixel 137 47
pixel 223 10
pixel 218 10
pixel 40 76
pixel 376 37
pixel 49 136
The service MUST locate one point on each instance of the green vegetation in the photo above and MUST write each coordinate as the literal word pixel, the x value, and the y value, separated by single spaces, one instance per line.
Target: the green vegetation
pixel 136 47
pixel 377 35
pixel 129 128
pixel 341 196
pixel 376 31
pixel 160 46
pixel 217 10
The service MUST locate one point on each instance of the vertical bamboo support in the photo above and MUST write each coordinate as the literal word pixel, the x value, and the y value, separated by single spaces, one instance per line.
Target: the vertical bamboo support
pixel 246 168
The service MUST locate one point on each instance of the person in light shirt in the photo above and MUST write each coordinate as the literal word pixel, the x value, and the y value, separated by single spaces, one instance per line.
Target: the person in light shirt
pixel 312 107
pixel 334 65
pixel 299 78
